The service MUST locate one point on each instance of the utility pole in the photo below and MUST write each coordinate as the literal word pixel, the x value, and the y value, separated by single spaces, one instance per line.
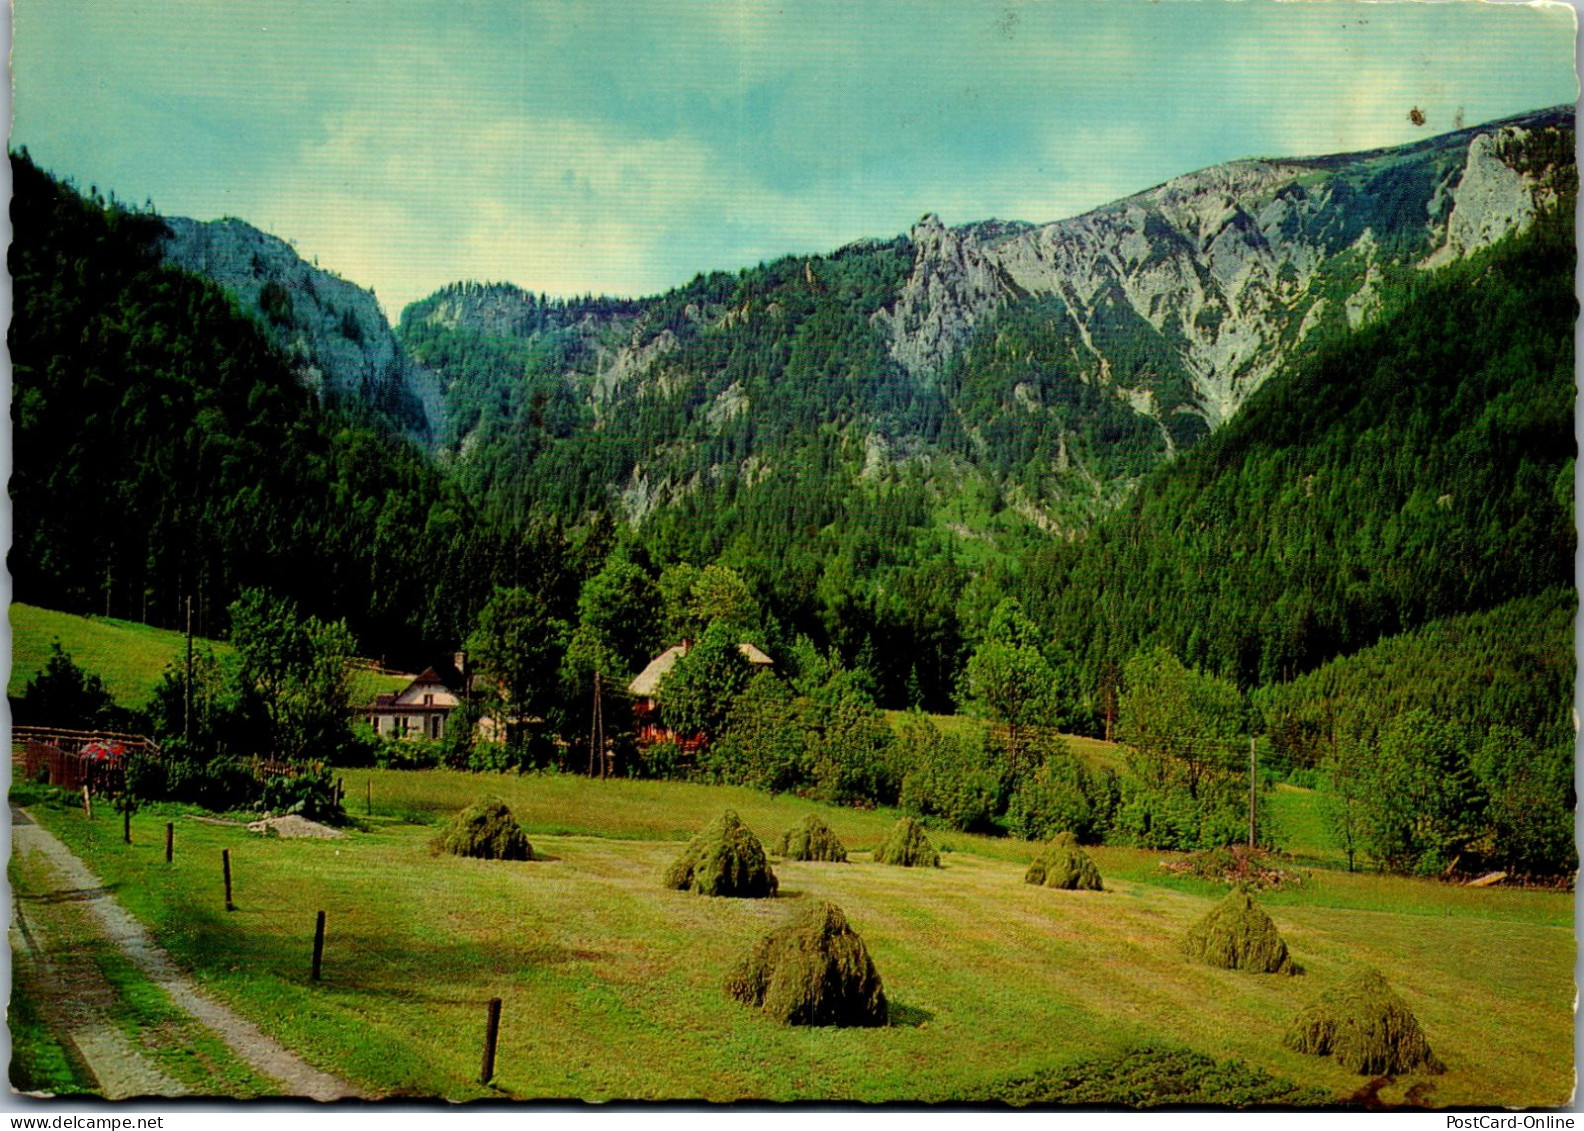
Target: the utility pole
pixel 1253 786
pixel 187 684
pixel 597 732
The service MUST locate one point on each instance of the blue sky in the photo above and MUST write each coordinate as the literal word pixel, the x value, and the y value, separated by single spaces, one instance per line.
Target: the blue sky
pixel 623 146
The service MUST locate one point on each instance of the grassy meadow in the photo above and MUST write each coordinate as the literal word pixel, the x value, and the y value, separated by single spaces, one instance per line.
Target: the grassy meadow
pixel 612 985
pixel 129 658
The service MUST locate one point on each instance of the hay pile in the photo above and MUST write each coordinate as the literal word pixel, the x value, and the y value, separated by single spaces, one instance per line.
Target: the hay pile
pixel 908 847
pixel 1364 1027
pixel 813 971
pixel 485 829
pixel 1238 935
pixel 812 840
pixel 1062 864
pixel 725 859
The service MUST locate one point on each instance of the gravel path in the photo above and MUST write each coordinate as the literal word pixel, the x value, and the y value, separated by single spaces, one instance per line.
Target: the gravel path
pixel 262 1052
pixel 76 1001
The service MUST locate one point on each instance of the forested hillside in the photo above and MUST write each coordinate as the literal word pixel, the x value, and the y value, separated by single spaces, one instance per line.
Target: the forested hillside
pixel 1009 380
pixel 165 450
pixel 1421 468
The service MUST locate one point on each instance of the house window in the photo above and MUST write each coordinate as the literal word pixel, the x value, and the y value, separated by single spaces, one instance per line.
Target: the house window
pixel 428 700
pixel 434 726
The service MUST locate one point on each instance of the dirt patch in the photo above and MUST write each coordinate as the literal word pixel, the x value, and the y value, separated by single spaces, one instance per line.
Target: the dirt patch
pixel 292 825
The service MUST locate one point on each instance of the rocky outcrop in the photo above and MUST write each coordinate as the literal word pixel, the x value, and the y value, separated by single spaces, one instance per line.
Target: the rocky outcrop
pixel 953 285
pixel 1229 267
pixel 1492 199
pixel 332 331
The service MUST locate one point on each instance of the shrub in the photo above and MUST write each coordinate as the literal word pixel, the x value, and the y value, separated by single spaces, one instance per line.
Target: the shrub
pixel 485 829
pixel 1364 1027
pixel 726 859
pixel 661 760
pixel 408 753
pixel 191 774
pixel 1062 796
pixel 908 847
pixel 308 793
pixel 64 695
pixel 947 776
pixel 812 840
pixel 1149 1076
pixel 1062 864
pixel 1238 935
pixel 813 971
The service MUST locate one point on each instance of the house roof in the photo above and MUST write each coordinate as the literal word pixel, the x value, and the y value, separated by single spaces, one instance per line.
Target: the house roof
pixel 646 684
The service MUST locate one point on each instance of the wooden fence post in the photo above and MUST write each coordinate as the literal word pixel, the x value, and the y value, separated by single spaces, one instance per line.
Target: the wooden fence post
pixel 126 823
pixel 225 859
pixel 170 839
pixel 87 803
pixel 491 1035
pixel 318 957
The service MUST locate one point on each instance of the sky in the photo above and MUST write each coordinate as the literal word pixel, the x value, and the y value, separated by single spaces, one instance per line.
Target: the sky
pixel 622 146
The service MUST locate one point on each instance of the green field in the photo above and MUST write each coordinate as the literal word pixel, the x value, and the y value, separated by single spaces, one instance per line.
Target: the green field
pixel 612 985
pixel 130 658
pixel 1097 753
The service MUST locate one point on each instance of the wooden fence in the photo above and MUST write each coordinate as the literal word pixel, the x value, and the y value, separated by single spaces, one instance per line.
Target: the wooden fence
pixel 72 759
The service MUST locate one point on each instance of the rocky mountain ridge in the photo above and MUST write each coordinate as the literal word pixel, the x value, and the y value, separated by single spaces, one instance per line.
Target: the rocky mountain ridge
pixel 1229 265
pixel 1040 344
pixel 332 330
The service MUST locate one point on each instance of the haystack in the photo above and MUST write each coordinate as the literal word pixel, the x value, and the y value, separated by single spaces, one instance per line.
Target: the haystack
pixel 725 859
pixel 812 840
pixel 1365 1027
pixel 485 829
pixel 813 971
pixel 1062 864
pixel 908 847
pixel 1238 935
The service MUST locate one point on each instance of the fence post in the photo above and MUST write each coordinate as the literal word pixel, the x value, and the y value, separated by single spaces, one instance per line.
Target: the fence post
pixel 225 859
pixel 170 839
pixel 126 823
pixel 318 957
pixel 87 803
pixel 491 1034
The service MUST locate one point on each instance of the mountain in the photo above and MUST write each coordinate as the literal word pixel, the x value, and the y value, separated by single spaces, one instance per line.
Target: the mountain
pixel 332 332
pixel 1420 468
pixel 166 449
pixel 1012 378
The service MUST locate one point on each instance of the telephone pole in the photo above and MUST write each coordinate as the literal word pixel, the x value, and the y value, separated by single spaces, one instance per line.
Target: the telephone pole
pixel 1253 786
pixel 187 684
pixel 597 732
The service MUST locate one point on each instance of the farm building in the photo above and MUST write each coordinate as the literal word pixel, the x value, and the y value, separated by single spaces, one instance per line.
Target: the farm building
pixel 421 708
pixel 645 689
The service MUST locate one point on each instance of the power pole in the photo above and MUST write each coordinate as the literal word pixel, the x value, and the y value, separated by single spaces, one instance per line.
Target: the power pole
pixel 187 685
pixel 597 732
pixel 1253 780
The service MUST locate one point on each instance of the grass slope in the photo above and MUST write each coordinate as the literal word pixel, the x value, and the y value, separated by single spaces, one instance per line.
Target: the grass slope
pixel 612 986
pixel 129 657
